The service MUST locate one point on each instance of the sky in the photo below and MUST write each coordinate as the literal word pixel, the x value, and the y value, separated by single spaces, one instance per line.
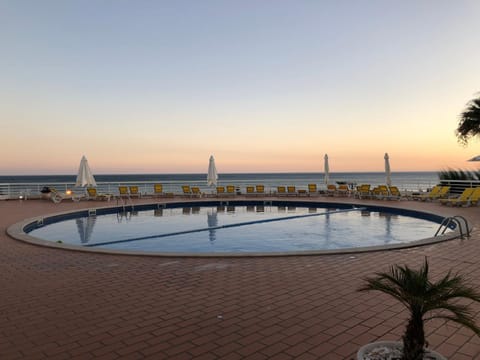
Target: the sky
pixel 145 86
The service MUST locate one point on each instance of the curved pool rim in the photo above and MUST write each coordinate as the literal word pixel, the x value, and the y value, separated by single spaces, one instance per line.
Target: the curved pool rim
pixel 19 230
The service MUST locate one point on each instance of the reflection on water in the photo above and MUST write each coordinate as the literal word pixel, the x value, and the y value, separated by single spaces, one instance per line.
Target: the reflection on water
pixel 388 224
pixel 85 228
pixel 212 222
pixel 229 228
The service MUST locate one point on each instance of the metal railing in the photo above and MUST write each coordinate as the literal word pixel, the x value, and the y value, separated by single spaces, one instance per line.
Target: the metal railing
pixel 457 186
pixel 452 223
pixel 33 190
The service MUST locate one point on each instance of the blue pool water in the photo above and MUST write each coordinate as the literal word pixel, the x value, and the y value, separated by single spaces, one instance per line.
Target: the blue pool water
pixel 244 227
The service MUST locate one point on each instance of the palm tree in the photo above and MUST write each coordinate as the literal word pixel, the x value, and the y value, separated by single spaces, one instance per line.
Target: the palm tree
pixel 423 297
pixel 469 125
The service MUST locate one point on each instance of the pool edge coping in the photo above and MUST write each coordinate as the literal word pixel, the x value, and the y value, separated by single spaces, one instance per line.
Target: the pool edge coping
pixel 16 231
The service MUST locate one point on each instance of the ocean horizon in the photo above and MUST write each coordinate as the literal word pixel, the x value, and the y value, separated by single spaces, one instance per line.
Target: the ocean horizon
pixel 403 179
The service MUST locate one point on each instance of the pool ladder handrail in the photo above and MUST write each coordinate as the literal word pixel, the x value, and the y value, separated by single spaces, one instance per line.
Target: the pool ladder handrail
pixel 457 220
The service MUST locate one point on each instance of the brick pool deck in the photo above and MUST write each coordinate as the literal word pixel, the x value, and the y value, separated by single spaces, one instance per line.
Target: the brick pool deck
pixel 59 304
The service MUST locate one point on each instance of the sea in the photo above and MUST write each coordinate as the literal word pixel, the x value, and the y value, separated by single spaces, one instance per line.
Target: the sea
pixel 413 180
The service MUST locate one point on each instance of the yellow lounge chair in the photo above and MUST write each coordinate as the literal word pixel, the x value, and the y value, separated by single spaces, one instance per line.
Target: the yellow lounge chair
pixel 363 191
pixel 134 192
pixel 281 191
pixel 312 189
pixel 442 194
pixel 292 191
pixel 474 198
pixel 196 191
pixel 343 190
pixel 250 190
pixel 461 199
pixel 395 194
pixel 157 190
pixel 220 190
pixel 380 192
pixel 429 196
pixel 260 189
pixel 123 192
pixel 186 190
pixel 92 194
pixel 302 192
pixel 331 190
pixel 231 190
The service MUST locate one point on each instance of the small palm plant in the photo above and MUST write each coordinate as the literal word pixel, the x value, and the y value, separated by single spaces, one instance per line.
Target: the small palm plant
pixel 422 297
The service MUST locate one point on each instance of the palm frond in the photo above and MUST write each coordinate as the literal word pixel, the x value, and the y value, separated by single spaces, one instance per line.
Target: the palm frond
pixel 459 174
pixel 464 321
pixel 423 298
pixel 469 124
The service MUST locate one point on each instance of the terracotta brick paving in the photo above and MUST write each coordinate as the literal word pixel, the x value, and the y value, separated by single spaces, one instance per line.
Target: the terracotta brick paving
pixel 58 304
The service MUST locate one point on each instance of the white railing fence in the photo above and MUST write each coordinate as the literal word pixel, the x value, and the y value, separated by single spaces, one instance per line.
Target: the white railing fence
pixel 33 190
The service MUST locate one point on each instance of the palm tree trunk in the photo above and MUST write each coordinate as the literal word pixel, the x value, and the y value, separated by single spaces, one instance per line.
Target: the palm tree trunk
pixel 414 338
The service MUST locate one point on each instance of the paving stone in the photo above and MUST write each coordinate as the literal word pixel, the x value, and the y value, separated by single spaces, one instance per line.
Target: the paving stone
pixel 59 304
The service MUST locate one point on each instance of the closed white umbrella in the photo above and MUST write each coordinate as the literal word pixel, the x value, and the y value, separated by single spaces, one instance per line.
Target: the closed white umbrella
pixel 326 170
pixel 212 176
pixel 388 174
pixel 85 176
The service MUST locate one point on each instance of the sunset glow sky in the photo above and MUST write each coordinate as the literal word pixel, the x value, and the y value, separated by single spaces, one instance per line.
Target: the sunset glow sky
pixel 264 86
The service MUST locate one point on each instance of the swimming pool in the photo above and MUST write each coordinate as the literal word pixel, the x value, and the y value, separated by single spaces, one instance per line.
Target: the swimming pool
pixel 239 227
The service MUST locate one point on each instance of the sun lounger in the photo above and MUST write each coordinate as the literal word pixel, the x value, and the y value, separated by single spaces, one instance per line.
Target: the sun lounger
pixel 343 190
pixel 380 192
pixel 260 190
pixel 56 196
pixel 250 190
pixel 196 191
pixel 186 190
pixel 431 195
pixel 92 194
pixel 281 191
pixel 474 198
pixel 220 190
pixel 134 192
pixel 291 191
pixel 123 192
pixel 363 191
pixel 312 189
pixel 302 192
pixel 158 190
pixel 331 190
pixel 394 193
pixel 442 194
pixel 461 199
pixel 231 190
